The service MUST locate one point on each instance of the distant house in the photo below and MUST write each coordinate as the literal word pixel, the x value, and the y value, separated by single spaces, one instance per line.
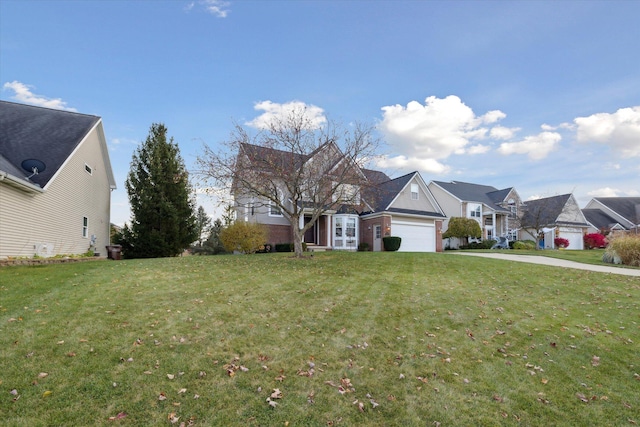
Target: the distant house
pixel 375 206
pixel 601 222
pixel 496 211
pixel 55 182
pixel 553 217
pixel 614 214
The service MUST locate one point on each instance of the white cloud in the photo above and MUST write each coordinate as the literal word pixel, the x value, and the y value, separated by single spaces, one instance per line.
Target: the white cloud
pixel 501 132
pixel 478 149
pixel 218 8
pixel 620 130
pixel 435 130
pixel 279 112
pixel 412 163
pixel 24 94
pixel 536 147
pixel 604 192
pixel 613 192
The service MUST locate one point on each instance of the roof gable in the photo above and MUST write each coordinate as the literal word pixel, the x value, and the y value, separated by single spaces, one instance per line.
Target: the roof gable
pixel 626 207
pixel 469 192
pixel 50 136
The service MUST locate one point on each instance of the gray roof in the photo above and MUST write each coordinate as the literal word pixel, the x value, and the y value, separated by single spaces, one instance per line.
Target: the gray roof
pixel 468 192
pixel 36 133
pixel 546 211
pixel 626 207
pixel 381 195
pixel 599 219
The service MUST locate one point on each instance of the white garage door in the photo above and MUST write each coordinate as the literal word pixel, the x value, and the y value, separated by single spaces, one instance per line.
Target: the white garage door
pixel 575 239
pixel 416 237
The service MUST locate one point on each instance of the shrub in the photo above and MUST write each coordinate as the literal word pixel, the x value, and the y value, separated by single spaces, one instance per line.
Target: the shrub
pixel 391 243
pixel 363 247
pixel 525 244
pixel 244 237
pixel 561 242
pixel 594 240
pixel 627 247
pixel 288 247
pixel 485 244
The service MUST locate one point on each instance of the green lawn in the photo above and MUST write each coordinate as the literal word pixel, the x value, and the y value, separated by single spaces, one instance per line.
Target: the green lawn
pixel 377 339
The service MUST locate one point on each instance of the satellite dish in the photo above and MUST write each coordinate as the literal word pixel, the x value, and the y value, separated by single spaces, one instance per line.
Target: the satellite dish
pixel 33 166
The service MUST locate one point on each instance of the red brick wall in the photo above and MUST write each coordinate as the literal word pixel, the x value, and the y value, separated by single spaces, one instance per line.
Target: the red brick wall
pixel 279 234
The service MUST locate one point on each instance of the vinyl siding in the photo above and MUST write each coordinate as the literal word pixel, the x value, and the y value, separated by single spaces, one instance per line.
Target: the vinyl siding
pixel 449 204
pixel 404 200
pixel 55 217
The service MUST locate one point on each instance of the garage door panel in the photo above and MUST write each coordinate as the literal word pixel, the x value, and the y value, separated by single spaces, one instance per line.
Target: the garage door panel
pixel 416 237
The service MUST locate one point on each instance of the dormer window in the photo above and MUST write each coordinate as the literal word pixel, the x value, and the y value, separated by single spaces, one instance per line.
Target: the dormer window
pixel 88 169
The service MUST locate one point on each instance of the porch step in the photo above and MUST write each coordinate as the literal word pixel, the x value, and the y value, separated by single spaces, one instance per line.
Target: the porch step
pixel 311 247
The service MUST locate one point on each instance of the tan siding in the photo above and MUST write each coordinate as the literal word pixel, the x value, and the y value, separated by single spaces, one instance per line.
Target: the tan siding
pixel 449 204
pixel 404 200
pixel 55 216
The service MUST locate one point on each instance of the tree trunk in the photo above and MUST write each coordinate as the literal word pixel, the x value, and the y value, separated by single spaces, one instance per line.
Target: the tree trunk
pixel 297 238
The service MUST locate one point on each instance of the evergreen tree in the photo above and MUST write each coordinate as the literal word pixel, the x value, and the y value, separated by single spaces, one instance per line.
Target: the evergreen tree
pixel 203 225
pixel 163 221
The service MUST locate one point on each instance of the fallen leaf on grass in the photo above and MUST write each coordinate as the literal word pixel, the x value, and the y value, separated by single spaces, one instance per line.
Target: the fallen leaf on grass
pixel 276 394
pixel 47 393
pixel 120 416
pixel 182 390
pixel 43 375
pixel 582 397
pixel 595 361
pixel 162 397
pixel 272 403
pixel 173 418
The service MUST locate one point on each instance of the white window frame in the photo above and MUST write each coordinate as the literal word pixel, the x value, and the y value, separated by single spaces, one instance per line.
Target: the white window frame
pixel 85 227
pixel 274 210
pixel 88 169
pixel 345 231
pixel 415 192
pixel 475 211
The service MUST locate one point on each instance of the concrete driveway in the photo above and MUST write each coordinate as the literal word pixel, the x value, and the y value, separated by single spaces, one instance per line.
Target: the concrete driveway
pixel 533 259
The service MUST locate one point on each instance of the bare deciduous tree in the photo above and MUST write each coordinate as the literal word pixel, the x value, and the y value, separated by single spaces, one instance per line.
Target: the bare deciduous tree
pixel 293 166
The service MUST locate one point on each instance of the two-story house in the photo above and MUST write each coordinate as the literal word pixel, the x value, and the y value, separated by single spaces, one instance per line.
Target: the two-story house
pixel 613 214
pixel 364 206
pixel 497 211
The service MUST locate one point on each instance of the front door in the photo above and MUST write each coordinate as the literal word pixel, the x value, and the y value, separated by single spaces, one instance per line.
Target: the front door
pixel 377 238
pixel 310 234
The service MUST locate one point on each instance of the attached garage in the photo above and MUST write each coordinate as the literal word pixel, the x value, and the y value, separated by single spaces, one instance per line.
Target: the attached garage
pixel 574 237
pixel 416 236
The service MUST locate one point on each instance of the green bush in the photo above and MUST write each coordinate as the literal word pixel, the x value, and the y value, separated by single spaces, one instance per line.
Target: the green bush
pixel 525 244
pixel 288 247
pixel 391 243
pixel 363 247
pixel 244 237
pixel 627 248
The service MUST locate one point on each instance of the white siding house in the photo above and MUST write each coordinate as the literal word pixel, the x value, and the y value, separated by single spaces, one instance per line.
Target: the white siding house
pixel 63 205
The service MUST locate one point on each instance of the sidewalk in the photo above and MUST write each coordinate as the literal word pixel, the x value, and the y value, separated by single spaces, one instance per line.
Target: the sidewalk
pixel 533 259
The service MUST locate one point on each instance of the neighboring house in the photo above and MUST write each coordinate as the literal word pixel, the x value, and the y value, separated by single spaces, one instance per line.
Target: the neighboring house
pixel 623 211
pixel 496 211
pixel 55 182
pixel 376 207
pixel 552 217
pixel 600 222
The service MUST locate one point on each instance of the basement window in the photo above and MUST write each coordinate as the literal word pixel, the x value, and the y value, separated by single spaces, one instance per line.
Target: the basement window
pixel 88 169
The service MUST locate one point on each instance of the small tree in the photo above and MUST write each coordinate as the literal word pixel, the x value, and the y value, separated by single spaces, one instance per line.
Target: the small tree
pixel 463 228
pixel 245 237
pixel 163 221
pixel 203 225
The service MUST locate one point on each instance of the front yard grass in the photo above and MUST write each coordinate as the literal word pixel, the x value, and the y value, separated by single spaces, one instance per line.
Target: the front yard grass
pixel 337 339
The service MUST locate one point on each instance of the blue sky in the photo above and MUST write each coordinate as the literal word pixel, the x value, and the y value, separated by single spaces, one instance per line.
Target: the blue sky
pixel 542 96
